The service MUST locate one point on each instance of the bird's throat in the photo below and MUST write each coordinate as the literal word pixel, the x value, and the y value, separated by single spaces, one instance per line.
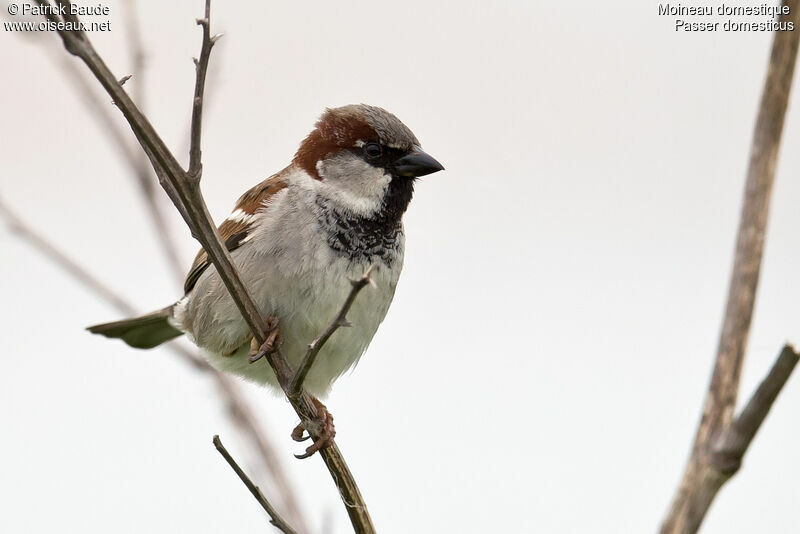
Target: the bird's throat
pixel 370 238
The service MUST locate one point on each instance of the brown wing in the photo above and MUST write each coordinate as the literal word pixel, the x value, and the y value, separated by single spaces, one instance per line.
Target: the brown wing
pixel 234 230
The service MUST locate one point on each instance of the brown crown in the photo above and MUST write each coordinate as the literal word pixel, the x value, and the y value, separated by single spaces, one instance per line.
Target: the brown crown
pixel 336 130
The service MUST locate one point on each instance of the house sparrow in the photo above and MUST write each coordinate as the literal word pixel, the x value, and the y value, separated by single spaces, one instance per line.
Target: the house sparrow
pixel 297 239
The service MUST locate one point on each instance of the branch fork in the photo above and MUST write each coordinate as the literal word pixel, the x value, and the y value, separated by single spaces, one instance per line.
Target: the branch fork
pixel 182 186
pixel 718 445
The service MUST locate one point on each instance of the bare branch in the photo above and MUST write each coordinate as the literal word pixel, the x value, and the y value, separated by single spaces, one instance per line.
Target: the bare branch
pixel 723 389
pixel 201 68
pixel 142 172
pixel 275 518
pixel 737 438
pixel 100 110
pixel 247 423
pixel 340 320
pixel 140 166
pixel 731 446
pixel 184 190
pixel 230 391
pixel 136 161
pixel 17 226
pixel 726 454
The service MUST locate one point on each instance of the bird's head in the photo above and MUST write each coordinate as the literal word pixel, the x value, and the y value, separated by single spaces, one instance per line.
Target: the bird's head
pixel 363 157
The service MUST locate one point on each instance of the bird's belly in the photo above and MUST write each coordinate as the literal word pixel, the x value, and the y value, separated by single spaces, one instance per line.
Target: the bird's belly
pixel 305 305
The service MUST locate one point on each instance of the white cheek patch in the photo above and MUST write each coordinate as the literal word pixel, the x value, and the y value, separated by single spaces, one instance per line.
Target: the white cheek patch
pixel 352 183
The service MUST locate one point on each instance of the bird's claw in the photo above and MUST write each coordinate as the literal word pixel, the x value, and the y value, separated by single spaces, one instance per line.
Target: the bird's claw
pixel 327 431
pixel 271 343
pixel 297 433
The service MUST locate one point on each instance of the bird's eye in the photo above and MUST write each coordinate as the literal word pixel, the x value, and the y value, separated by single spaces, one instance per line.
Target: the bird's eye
pixel 373 150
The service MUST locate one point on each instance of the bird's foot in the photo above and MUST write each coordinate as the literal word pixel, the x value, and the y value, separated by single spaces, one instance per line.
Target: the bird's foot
pixel 258 352
pixel 323 424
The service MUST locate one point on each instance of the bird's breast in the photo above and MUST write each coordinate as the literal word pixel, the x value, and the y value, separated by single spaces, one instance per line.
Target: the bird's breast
pixel 293 272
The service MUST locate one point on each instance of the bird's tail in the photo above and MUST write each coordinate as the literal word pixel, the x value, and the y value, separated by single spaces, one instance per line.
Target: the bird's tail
pixel 143 332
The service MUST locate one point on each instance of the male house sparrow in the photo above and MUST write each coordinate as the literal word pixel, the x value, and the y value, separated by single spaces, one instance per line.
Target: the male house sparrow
pixel 297 239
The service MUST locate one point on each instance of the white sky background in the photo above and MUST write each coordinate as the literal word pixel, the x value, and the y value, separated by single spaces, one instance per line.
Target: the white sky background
pixel 543 365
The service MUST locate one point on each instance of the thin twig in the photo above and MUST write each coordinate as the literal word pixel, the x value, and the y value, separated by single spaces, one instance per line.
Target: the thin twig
pixel 17 226
pixel 141 169
pixel 136 161
pixel 201 67
pixel 184 190
pixel 245 420
pixel 275 518
pixel 723 389
pixel 340 320
pixel 230 392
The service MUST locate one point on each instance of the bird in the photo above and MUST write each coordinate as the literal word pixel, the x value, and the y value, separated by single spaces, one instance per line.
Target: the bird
pixel 297 239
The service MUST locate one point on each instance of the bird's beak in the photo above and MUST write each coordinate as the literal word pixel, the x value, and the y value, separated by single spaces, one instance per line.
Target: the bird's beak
pixel 417 163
